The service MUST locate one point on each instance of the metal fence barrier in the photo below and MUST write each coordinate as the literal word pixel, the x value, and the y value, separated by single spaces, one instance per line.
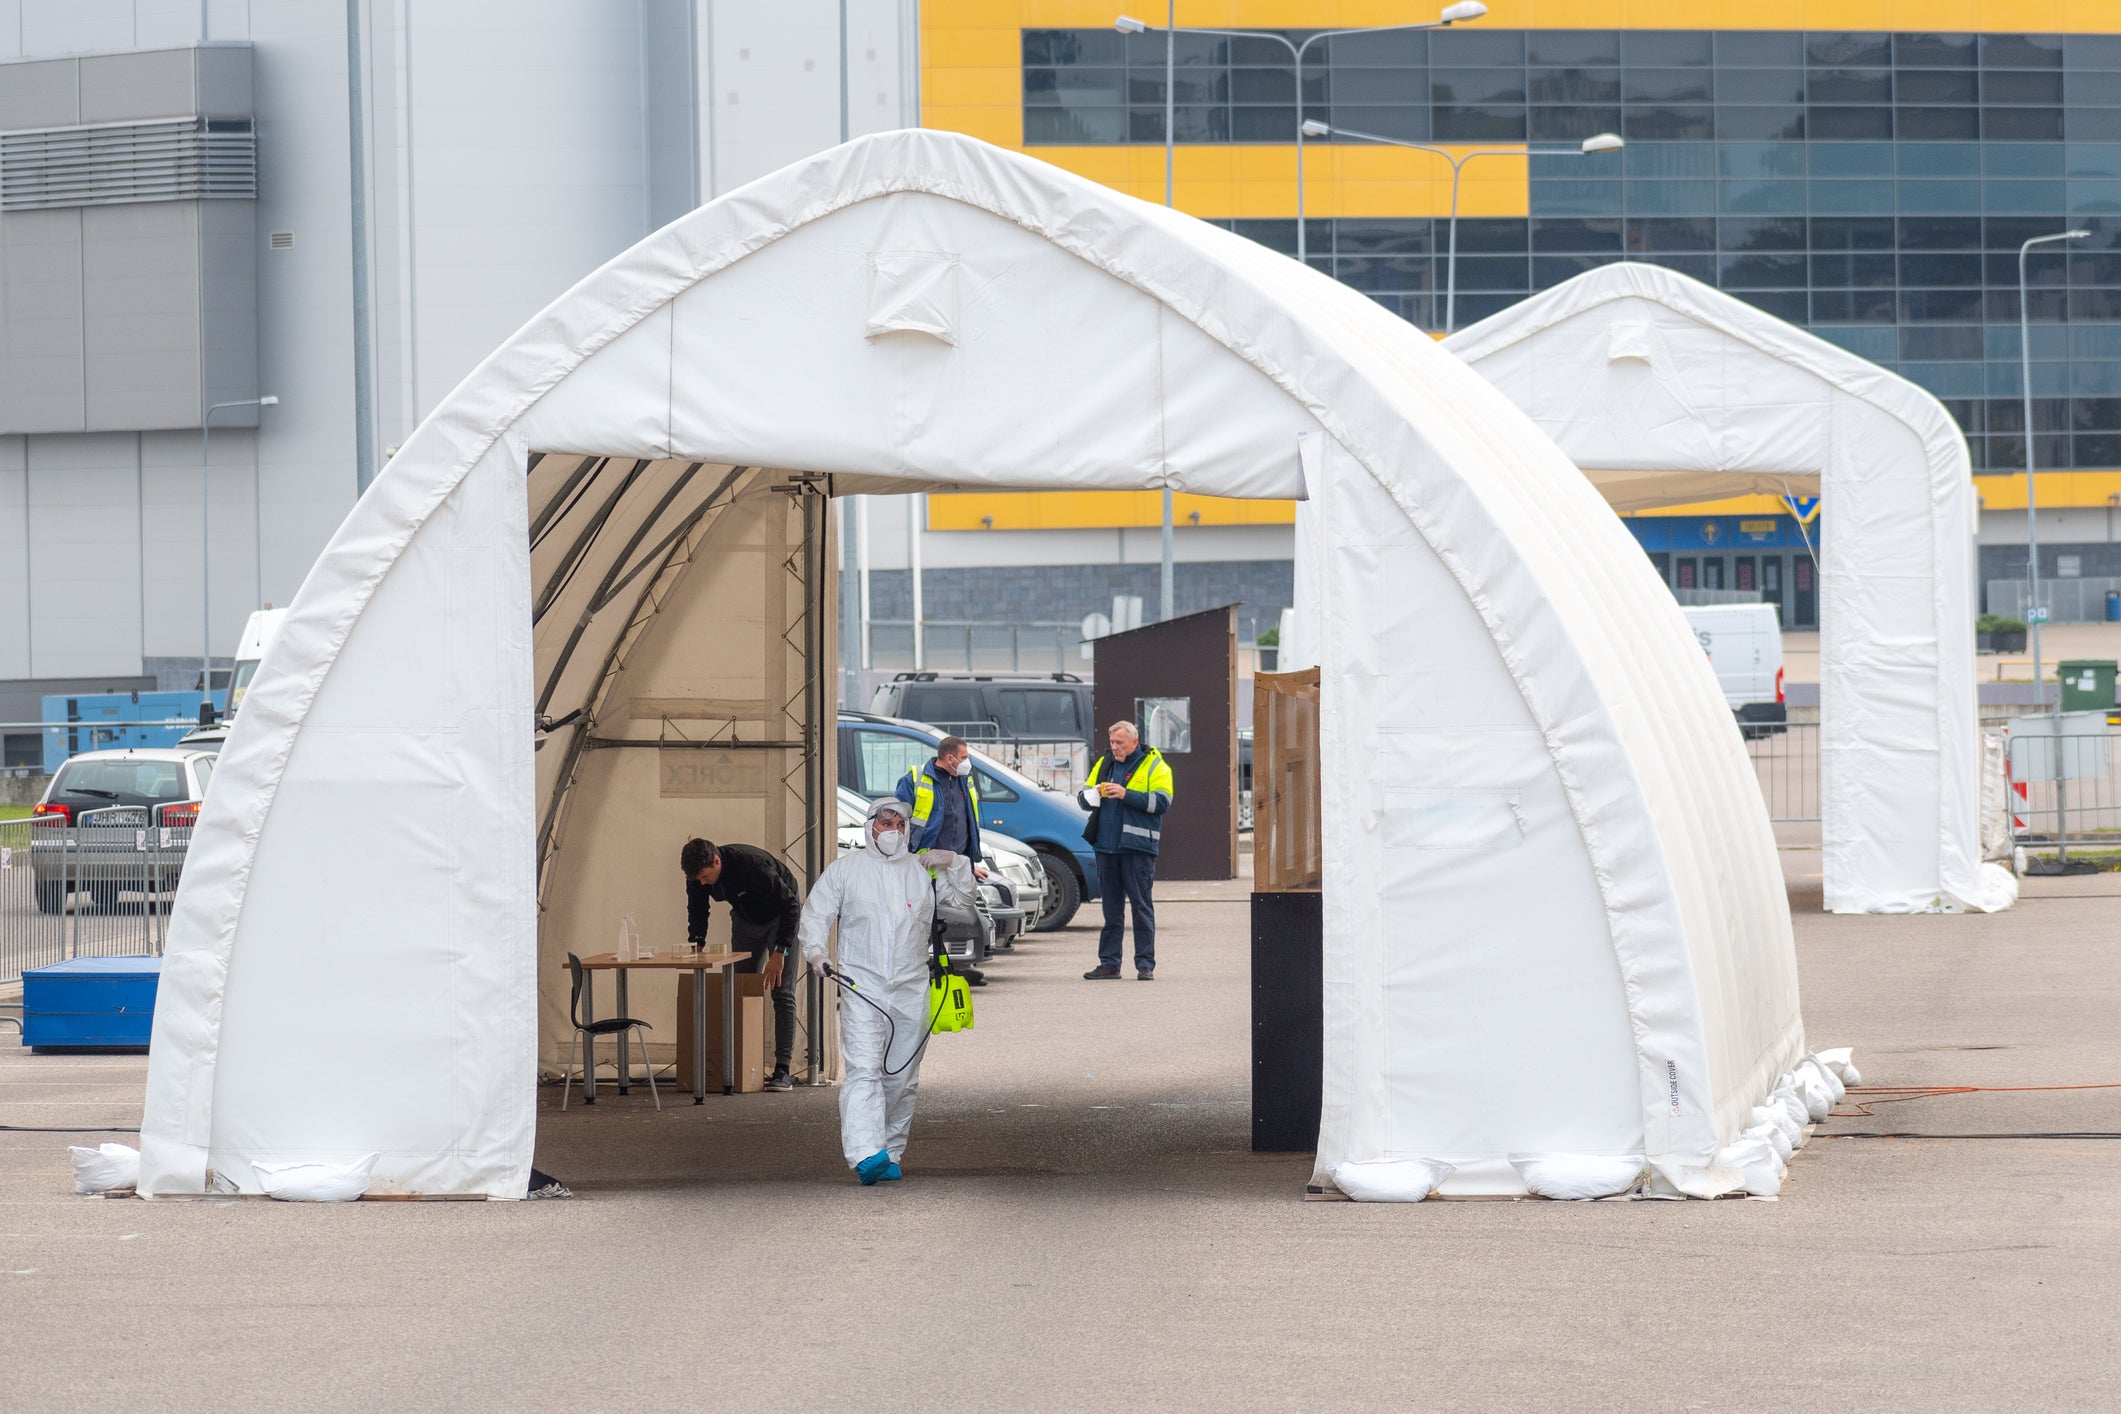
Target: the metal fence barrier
pixel 2065 791
pixel 2069 601
pixel 958 645
pixel 98 885
pixel 1786 759
pixel 1057 765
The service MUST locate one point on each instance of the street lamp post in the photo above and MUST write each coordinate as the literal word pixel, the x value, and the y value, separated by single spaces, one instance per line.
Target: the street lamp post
pixel 2034 613
pixel 206 599
pixel 1127 24
pixel 1452 14
pixel 1598 142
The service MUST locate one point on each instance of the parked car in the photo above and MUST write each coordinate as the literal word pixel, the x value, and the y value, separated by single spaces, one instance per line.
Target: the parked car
pixel 1005 912
pixel 1744 644
pixel 876 750
pixel 121 792
pixel 976 706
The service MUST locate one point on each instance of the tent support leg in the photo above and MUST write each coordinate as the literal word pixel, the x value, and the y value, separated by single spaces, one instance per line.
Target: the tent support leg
pixel 810 568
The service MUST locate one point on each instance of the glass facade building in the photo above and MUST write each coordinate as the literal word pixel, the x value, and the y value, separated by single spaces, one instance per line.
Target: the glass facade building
pixel 1872 187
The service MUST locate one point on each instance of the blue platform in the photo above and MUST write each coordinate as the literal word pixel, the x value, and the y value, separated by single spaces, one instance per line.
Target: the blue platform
pixel 91 1003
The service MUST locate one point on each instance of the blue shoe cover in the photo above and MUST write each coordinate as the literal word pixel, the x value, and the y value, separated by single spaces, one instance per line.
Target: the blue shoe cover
pixel 872 1168
pixel 892 1172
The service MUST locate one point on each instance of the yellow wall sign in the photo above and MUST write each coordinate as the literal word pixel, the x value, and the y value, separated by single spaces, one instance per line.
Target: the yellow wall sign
pixel 1094 510
pixel 1756 527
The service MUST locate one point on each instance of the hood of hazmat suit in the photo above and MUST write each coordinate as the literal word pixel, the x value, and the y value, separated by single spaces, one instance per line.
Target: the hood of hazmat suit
pixel 883 907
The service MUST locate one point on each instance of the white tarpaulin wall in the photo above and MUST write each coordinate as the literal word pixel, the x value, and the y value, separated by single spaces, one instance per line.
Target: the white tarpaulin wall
pixel 1554 916
pixel 1640 373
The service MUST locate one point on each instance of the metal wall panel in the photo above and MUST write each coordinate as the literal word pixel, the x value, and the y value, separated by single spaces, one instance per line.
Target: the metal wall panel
pixel 41 94
pixel 121 314
pixel 41 387
pixel 140 333
pixel 154 84
pixel 84 536
pixel 16 586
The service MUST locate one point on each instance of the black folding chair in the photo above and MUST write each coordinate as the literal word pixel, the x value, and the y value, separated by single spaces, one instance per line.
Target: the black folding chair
pixel 585 1037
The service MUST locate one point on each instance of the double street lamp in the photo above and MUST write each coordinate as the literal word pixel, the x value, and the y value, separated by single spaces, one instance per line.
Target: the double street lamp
pixel 1598 142
pixel 1127 24
pixel 2034 613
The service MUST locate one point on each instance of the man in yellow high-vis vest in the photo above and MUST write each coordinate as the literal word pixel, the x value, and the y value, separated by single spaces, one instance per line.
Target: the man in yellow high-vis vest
pixel 1127 794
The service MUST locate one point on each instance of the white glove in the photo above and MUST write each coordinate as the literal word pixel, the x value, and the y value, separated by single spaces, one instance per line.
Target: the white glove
pixel 940 858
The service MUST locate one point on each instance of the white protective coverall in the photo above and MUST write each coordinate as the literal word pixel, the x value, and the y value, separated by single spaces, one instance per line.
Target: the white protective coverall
pixel 883 905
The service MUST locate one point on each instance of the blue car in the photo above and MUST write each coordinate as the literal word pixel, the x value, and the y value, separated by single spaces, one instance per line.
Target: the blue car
pixel 876 751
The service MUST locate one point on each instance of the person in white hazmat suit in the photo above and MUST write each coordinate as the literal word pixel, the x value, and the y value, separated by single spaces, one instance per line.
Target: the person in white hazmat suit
pixel 883 898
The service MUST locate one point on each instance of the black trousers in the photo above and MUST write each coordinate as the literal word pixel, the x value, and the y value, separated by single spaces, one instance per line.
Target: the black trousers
pixel 759 940
pixel 1124 881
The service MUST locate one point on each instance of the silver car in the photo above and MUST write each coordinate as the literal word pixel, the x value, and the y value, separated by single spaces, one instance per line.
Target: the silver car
pixel 104 820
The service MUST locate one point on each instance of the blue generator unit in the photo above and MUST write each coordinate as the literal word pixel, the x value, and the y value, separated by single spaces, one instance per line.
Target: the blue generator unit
pixel 90 1004
pixel 102 721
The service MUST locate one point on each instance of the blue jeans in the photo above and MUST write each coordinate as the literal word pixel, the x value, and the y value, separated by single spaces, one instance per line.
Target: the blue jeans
pixel 1124 880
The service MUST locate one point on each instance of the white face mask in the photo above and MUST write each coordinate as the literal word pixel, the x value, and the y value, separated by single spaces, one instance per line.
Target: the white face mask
pixel 890 843
pixel 962 768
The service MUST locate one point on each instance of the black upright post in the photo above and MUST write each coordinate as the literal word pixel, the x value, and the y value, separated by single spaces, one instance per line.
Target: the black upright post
pixel 1288 1020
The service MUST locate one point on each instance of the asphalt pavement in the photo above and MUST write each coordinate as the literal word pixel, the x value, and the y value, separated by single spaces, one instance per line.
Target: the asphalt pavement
pixel 1084 1226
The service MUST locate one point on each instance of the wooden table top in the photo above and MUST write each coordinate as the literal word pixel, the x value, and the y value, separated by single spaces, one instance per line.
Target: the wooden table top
pixel 684 960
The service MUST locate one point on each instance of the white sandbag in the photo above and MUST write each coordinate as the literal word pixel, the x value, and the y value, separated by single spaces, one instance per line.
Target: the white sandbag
pixel 1777 1115
pixel 1391 1180
pixel 1842 1061
pixel 1836 1059
pixel 1800 1114
pixel 1755 1159
pixel 316 1183
pixel 1818 1100
pixel 1771 1133
pixel 107 1168
pixel 1813 1067
pixel 1577 1176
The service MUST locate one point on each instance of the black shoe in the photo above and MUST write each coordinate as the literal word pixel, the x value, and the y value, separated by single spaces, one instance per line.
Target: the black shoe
pixel 1100 974
pixel 780 1080
pixel 973 976
pixel 1145 974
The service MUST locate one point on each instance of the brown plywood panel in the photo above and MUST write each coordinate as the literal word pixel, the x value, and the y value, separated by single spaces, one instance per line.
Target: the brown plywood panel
pixel 1193 657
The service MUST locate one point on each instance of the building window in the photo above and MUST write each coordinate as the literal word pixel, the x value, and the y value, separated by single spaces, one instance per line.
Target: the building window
pixel 1872 185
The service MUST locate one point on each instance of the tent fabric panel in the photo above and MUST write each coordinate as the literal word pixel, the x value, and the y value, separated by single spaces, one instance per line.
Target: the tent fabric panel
pixel 1634 719
pixel 406 665
pixel 1520 1043
pixel 1603 360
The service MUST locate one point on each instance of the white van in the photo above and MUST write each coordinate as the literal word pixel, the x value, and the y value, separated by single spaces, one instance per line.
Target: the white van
pixel 258 632
pixel 1744 644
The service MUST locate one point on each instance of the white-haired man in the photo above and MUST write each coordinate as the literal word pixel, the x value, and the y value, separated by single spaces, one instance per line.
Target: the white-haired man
pixel 883 899
pixel 1128 793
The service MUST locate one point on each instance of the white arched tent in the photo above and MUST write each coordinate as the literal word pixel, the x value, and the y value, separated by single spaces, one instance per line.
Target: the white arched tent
pixel 1666 391
pixel 1554 916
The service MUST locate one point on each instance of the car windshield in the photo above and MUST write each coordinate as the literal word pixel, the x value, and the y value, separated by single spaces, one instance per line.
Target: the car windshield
pixel 245 671
pixel 120 782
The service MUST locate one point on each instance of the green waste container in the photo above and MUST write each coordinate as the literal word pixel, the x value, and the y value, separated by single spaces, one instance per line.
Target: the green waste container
pixel 2087 684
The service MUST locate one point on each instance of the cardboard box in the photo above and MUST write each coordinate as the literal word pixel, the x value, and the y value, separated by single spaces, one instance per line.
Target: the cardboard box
pixel 754 1033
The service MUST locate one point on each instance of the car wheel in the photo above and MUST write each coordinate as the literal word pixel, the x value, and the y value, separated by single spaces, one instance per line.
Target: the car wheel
pixel 51 898
pixel 1064 891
